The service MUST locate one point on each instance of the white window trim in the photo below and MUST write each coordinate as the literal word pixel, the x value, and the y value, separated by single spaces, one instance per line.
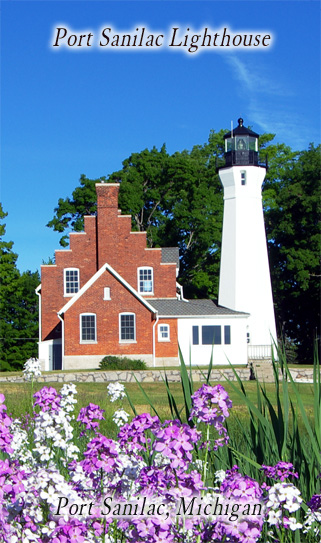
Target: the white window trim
pixel 86 341
pixel 70 294
pixel 138 280
pixel 127 340
pixel 160 338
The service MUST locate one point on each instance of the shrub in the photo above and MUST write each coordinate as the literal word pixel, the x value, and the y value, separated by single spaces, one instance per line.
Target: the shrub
pixel 117 363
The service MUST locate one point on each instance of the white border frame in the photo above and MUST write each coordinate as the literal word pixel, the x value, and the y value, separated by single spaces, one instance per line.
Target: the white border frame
pixel 127 340
pixel 70 294
pixel 160 338
pixel 87 341
pixel 143 293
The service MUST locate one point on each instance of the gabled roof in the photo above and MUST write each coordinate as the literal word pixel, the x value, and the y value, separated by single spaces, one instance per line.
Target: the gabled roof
pixel 170 307
pixel 93 279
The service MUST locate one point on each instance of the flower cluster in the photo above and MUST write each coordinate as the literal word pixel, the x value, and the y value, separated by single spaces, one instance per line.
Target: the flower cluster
pixel 312 521
pixel 47 399
pixel 5 422
pixel 116 391
pixel 280 472
pixel 156 462
pixel 32 369
pixel 283 498
pixel 211 405
pixel 88 414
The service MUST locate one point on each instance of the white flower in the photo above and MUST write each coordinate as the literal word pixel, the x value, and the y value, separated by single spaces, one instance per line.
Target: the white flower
pixel 120 417
pixel 32 369
pixel 293 524
pixel 219 476
pixel 116 391
pixel 274 517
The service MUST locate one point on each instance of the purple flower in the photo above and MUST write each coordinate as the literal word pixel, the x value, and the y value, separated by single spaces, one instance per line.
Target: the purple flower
pixel 281 471
pixel 47 398
pixel 174 440
pixel 5 423
pixel 88 414
pixel 315 503
pixel 210 404
pixel 240 487
pixel 133 435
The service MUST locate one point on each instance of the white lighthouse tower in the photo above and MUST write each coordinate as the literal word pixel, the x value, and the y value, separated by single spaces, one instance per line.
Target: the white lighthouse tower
pixel 245 283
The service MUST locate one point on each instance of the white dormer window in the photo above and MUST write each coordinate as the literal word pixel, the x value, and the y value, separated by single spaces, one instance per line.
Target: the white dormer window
pixel 145 280
pixel 163 332
pixel 71 281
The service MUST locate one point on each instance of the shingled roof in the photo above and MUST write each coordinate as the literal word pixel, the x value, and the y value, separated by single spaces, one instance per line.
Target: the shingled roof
pixel 177 308
pixel 170 255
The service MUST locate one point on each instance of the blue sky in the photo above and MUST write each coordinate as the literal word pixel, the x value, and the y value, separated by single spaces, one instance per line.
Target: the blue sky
pixel 67 112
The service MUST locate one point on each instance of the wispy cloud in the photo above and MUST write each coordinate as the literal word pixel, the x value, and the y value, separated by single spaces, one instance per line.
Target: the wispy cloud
pixel 270 103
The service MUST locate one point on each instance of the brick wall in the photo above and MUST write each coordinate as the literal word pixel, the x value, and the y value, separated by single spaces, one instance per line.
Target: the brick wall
pixel 107 318
pixel 106 239
pixel 167 349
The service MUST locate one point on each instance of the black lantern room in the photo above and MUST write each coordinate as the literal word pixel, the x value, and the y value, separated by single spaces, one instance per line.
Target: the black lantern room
pixel 241 147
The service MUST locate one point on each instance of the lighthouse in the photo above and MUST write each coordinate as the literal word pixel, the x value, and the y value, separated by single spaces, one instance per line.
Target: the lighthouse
pixel 245 283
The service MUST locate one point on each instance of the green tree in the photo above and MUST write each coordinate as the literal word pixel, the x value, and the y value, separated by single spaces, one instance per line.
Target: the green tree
pixel 293 226
pixel 18 308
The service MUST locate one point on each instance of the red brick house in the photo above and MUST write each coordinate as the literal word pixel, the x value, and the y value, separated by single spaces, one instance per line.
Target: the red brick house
pixel 110 294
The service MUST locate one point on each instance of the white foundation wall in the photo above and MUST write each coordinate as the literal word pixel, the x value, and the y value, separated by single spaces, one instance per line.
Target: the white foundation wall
pixel 87 362
pixel 235 353
pixel 245 283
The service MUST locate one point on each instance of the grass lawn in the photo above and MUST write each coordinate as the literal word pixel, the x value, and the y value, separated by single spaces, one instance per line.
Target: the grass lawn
pixel 18 396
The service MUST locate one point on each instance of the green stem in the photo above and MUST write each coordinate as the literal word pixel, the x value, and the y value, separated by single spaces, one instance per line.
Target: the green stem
pixel 205 467
pixel 206 453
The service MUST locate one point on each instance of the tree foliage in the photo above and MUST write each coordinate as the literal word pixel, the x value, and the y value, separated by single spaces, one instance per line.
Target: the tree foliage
pixel 178 200
pixel 18 308
pixel 293 227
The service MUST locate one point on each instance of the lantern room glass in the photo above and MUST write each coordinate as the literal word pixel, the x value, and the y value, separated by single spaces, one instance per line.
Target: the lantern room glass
pixel 241 143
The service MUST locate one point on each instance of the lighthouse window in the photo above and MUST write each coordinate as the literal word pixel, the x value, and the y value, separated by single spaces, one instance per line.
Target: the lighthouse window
pixel 243 178
pixel 241 144
pixel 253 144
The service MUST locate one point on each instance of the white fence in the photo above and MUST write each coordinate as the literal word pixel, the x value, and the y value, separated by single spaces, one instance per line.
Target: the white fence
pixel 259 352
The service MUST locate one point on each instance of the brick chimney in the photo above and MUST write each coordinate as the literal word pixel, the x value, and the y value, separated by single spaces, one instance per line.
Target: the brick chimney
pixel 107 223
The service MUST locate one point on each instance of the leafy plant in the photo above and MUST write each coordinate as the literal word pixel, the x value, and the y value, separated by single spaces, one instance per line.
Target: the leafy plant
pixel 111 362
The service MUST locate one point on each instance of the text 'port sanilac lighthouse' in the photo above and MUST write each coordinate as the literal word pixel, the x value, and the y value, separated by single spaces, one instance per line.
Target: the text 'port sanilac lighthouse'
pixel 245 283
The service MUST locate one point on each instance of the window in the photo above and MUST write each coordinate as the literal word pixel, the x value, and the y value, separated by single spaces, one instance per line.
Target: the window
pixel 127 331
pixel 243 178
pixel 87 328
pixel 195 335
pixel 71 281
pixel 163 332
pixel 145 280
pixel 227 335
pixel 107 293
pixel 211 335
